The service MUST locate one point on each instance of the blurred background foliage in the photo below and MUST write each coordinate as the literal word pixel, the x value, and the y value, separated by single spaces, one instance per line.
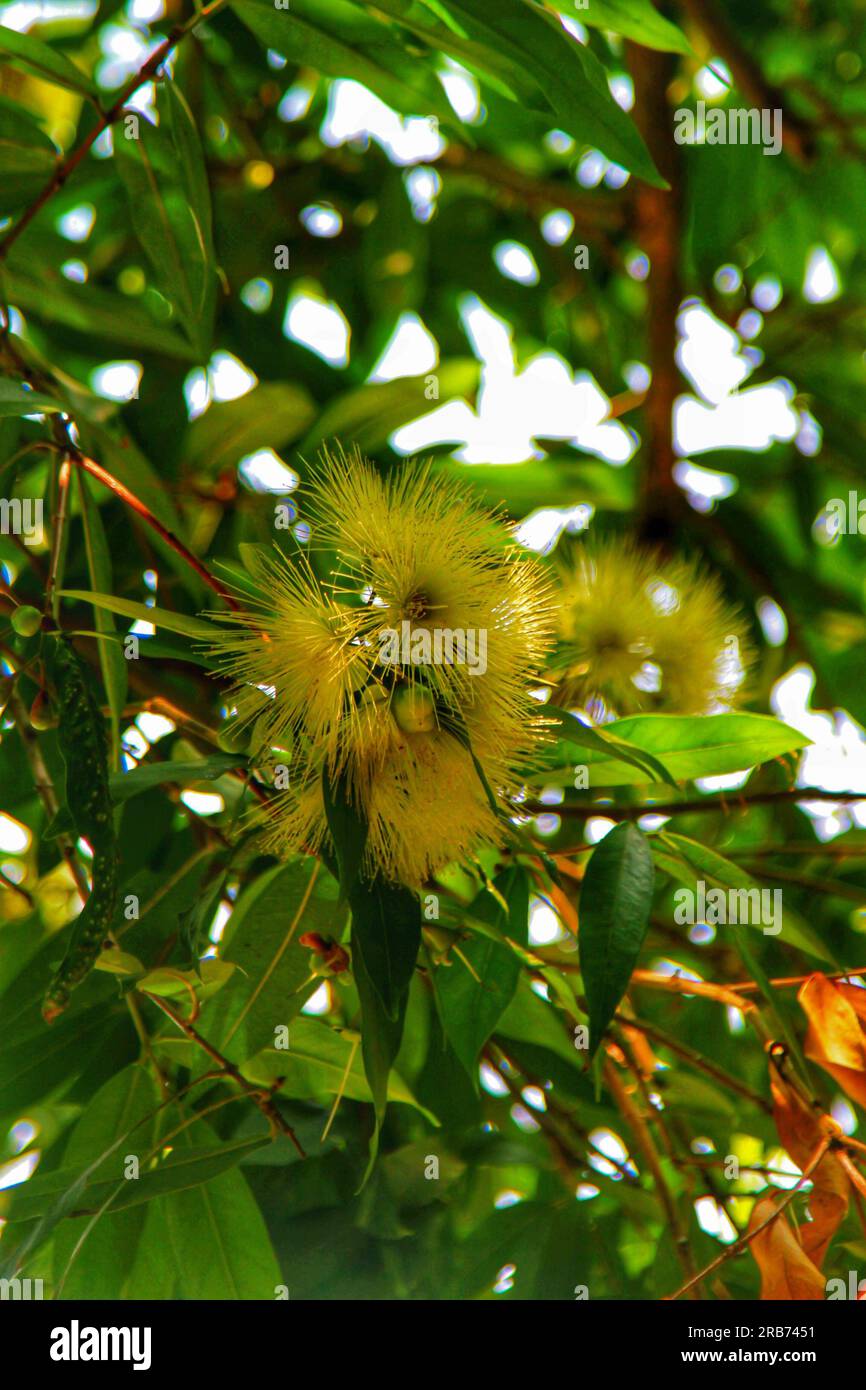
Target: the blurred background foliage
pixel 461 228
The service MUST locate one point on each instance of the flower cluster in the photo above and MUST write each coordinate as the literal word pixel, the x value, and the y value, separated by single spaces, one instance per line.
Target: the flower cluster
pixel 363 675
pixel 639 632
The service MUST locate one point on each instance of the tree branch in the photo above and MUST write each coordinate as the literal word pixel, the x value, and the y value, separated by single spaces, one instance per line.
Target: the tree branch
pixel 704 803
pixel 68 166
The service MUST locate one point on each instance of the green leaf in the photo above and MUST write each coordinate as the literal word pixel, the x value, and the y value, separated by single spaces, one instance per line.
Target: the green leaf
pixel 124 785
pixel 34 1063
pixel 217 1237
pixel 370 414
pixel 166 203
pixel 94 312
pixel 151 1276
pixel 17 400
pixel 606 745
pixel 28 157
pixel 558 479
pixel 320 1062
pixel 512 887
pixel 341 39
pixel 692 746
pixel 273 979
pixel 615 903
pixel 569 77
pixel 175 113
pixel 473 989
pixel 386 936
pixel 386 930
pixel 381 1037
pixel 634 19
pixel 182 1168
pixel 273 414
pixel 129 465
pixel 682 1091
pixel 167 983
pixel 198 628
pixel 502 71
pixel 691 859
pixel 46 62
pixel 140 779
pixel 119 1111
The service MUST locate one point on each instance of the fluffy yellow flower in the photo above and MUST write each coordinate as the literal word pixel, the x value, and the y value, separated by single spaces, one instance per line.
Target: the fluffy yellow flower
pixel 425 638
pixel 642 633
pixel 291 615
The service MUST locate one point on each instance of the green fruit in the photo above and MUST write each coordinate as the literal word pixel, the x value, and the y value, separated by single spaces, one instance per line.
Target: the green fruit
pixel 41 715
pixel 26 620
pixel 414 710
pixel 233 738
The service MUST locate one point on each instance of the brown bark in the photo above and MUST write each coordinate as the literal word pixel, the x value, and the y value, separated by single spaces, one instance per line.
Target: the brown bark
pixel 658 215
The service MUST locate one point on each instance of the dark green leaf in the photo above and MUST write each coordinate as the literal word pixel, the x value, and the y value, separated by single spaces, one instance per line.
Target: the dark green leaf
pixel 569 77
pixel 474 987
pixel 272 415
pixel 184 1167
pixel 111 658
pixel 342 39
pixel 615 903
pixel 17 400
pixel 167 203
pixel 349 829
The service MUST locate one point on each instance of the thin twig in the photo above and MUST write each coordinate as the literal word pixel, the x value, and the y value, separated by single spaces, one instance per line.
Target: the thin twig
pixel 116 486
pixel 696 1060
pixel 746 1239
pixel 261 1098
pixel 639 1129
pixel 704 803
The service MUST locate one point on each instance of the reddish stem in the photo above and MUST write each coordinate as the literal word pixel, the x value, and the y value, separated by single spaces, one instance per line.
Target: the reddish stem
pixel 177 545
